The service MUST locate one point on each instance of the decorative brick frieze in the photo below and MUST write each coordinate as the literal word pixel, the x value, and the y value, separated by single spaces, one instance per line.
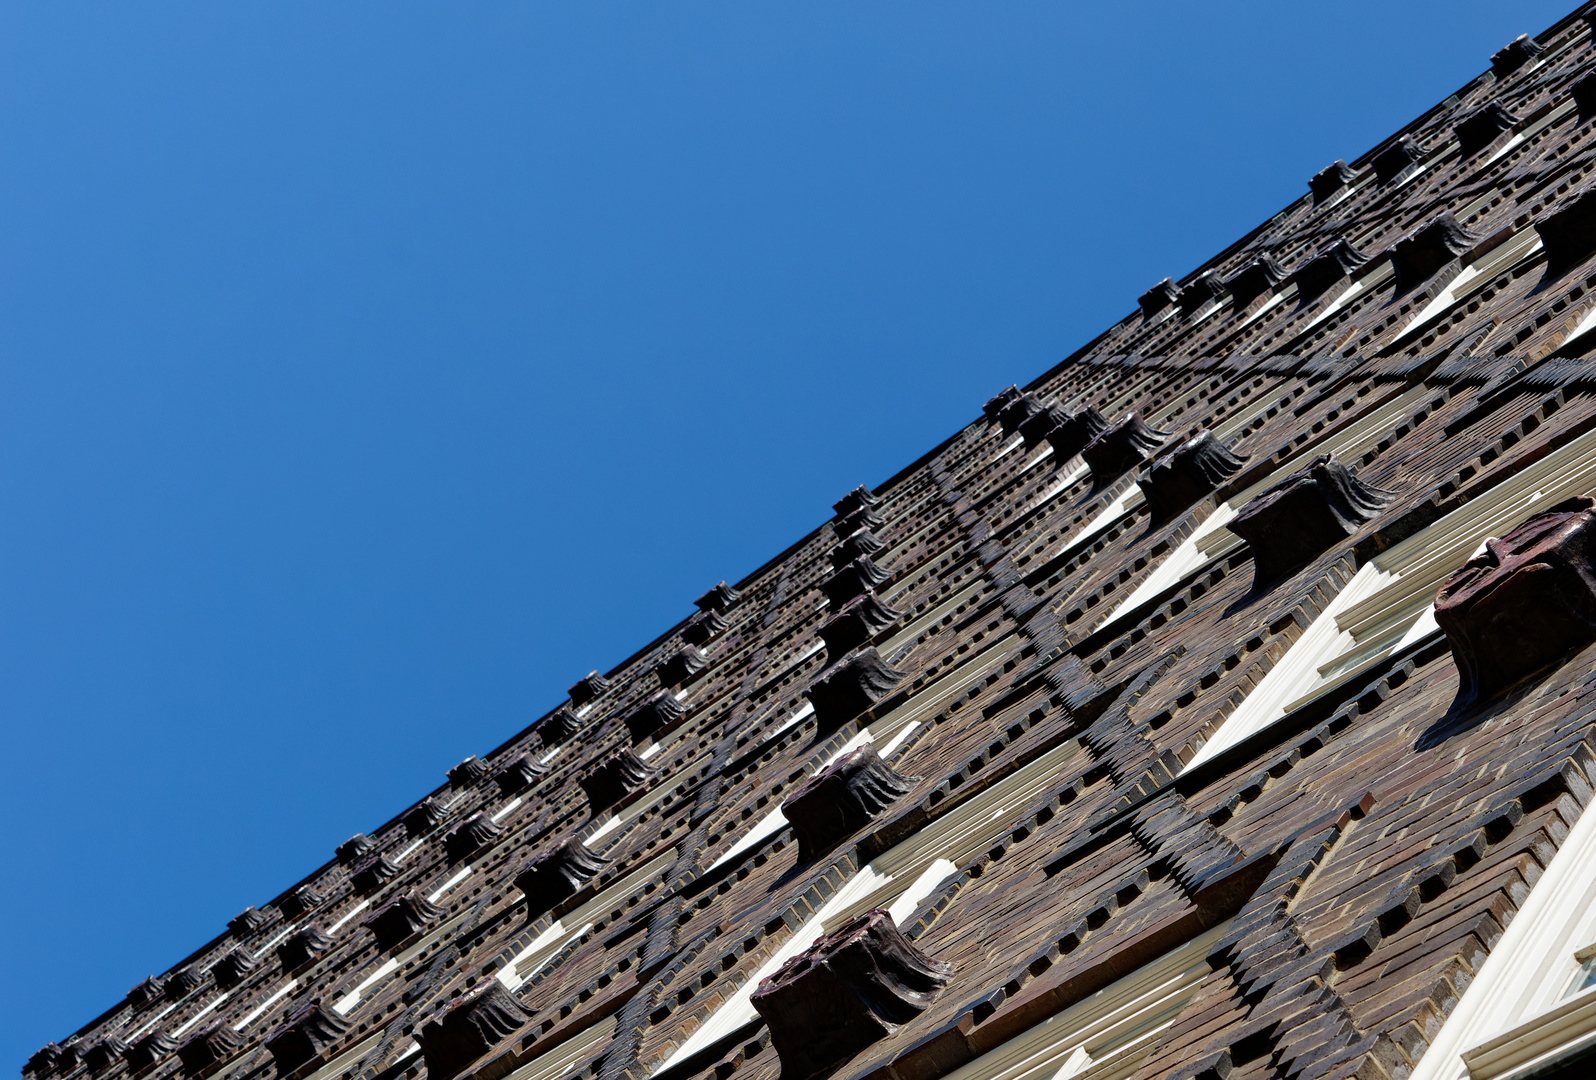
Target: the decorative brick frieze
pixel 612 779
pixel 1121 447
pixel 849 687
pixel 309 1032
pixel 1527 602
pixel 480 1020
pixel 556 875
pixel 593 684
pixel 401 919
pixel 853 791
pixel 1481 128
pixel 852 988
pixel 1186 474
pixel 859 622
pixel 1331 180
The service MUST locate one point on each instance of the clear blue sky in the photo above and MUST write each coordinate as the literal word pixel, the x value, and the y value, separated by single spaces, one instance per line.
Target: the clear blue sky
pixel 371 371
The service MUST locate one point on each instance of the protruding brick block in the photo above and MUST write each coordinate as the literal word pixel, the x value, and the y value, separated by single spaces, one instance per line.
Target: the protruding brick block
pixel 1186 474
pixel 703 627
pixel 843 799
pixel 654 714
pixel 1303 516
pixel 468 773
pixel 682 665
pixel 1527 602
pixel 849 990
pixel 1204 289
pixel 1158 298
pixel 149 1051
pixel 859 496
pixel 612 779
pixel 1328 181
pixel 425 816
pixel 1332 264
pixel 721 598
pixel 1514 55
pixel 1073 434
pixel 308 1032
pixel 477 1022
pixel 1120 448
pixel 854 579
pixel 233 968
pixel 372 874
pixel 477 832
pixel 248 921
pixel 401 919
pixel 351 850
pixel 589 687
pixel 557 874
pixel 302 899
pixel 1418 256
pixel 302 947
pixel 518 774
pixel 851 686
pixel 1569 232
pixel 151 989
pixel 1481 127
pixel 1397 158
pixel 559 727
pixel 103 1054
pixel 858 623
pixel 209 1047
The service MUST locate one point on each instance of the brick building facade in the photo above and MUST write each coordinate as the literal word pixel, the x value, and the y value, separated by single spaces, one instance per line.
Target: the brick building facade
pixel 1218 705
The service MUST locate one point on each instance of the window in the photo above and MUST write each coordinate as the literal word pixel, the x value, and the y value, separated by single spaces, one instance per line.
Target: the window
pixel 1110 1033
pixel 1532 1001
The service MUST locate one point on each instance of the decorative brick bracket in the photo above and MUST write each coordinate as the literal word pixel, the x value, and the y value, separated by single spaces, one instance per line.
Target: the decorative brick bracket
pixel 307 1033
pixel 683 665
pixel 591 686
pixel 401 919
pixel 860 622
pixel 655 714
pixel 850 687
pixel 1397 158
pixel 518 774
pixel 232 969
pixel 559 726
pixel 1417 257
pixel 1186 474
pixel 1079 428
pixel 1121 447
pixel 1514 55
pixel 1480 128
pixel 424 816
pixel 859 496
pixel 471 836
pixel 1253 280
pixel 843 799
pixel 303 947
pixel 849 990
pixel 854 579
pixel 1330 265
pixel 209 1048
pixel 556 875
pixel 720 598
pixel 1331 179
pixel 371 875
pixel 468 772
pixel 474 1024
pixel 1526 603
pixel 1158 298
pixel 1311 511
pixel 612 779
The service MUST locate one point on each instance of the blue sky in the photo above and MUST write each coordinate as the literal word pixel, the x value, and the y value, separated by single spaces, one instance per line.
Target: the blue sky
pixel 371 371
